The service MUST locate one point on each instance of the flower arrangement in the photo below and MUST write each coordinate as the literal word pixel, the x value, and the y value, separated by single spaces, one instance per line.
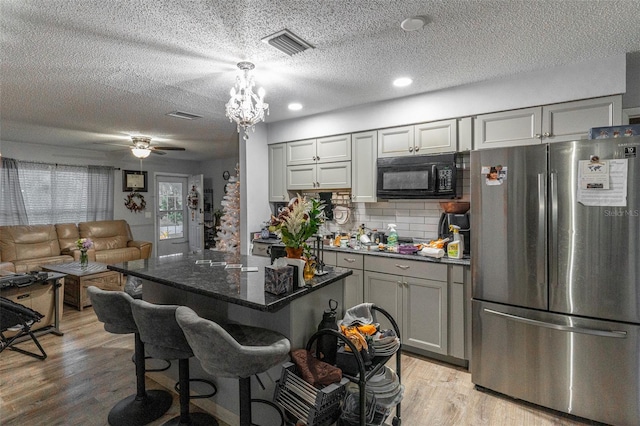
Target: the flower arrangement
pixel 299 221
pixel 84 244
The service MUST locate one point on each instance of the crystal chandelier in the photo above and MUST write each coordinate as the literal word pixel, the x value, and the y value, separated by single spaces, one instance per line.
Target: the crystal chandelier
pixel 245 107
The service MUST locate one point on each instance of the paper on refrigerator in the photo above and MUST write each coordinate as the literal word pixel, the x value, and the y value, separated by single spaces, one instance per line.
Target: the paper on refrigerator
pixel 594 191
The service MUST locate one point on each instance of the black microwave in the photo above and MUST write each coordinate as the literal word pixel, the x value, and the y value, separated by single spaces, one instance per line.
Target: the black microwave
pixel 417 177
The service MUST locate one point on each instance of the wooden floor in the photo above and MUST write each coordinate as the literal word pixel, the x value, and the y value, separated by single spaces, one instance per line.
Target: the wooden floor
pixel 88 370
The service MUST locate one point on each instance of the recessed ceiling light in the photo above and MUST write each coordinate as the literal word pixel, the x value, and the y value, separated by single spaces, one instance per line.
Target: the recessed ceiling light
pixel 402 81
pixel 414 23
pixel 295 106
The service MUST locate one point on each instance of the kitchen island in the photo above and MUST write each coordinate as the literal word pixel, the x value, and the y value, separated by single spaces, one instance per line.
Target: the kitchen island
pixel 222 294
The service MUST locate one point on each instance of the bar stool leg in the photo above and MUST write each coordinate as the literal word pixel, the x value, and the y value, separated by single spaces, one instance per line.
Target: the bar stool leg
pixel 245 401
pixel 187 418
pixel 145 406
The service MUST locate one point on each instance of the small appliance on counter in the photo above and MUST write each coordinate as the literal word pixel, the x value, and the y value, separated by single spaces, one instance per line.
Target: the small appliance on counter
pixel 456 213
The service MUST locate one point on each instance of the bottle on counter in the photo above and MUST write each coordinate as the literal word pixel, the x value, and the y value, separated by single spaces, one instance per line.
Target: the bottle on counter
pixel 455 248
pixel 392 239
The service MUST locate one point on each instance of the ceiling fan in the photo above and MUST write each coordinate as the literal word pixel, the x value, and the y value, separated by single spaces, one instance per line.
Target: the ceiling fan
pixel 142 147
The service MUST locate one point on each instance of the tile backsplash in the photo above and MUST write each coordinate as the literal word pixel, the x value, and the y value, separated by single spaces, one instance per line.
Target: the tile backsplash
pixel 414 218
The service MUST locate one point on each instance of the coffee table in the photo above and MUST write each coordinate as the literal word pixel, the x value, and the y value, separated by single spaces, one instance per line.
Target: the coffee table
pixel 79 278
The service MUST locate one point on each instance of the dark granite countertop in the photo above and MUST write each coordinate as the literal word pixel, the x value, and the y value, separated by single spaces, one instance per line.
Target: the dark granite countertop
pixel 230 285
pixel 465 261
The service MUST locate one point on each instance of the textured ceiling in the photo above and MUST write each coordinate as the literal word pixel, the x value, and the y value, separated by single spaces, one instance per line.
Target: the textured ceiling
pixel 90 73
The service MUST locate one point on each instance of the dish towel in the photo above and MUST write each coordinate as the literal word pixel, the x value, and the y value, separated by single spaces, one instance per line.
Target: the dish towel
pixel 359 314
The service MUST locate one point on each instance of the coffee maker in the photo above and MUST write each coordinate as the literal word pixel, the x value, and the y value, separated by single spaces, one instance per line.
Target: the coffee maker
pixel 460 220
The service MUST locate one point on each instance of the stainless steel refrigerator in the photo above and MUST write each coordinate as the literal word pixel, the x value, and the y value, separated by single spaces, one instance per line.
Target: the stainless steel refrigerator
pixel 556 276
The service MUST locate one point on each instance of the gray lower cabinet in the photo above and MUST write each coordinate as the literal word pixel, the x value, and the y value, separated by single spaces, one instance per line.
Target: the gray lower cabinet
pixel 419 306
pixel 429 301
pixel 353 284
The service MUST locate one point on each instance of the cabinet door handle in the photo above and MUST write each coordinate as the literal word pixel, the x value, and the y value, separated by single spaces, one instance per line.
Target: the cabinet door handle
pixel 537 136
pixel 410 149
pixel 417 148
pixel 403 267
pixel 349 260
pixel 547 134
pixel 318 184
pixel 399 283
pixel 317 158
pixel 23 296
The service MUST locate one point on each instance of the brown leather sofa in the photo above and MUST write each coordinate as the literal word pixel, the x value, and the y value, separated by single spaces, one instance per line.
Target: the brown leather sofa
pixel 26 248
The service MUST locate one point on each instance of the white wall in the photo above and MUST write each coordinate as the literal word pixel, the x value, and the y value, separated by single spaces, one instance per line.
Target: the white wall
pixel 213 170
pixel 576 81
pixel 631 99
pixel 254 184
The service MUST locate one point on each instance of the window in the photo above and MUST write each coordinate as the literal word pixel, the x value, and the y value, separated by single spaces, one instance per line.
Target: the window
pixel 170 207
pixel 54 193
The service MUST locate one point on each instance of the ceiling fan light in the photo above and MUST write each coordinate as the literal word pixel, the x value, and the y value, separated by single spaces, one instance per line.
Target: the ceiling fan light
pixel 141 152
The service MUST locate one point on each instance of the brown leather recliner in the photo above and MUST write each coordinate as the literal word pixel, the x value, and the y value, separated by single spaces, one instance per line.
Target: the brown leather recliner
pixel 112 242
pixel 26 248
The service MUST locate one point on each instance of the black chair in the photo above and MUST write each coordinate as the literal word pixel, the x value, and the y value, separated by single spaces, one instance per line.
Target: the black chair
pixel 18 318
pixel 113 308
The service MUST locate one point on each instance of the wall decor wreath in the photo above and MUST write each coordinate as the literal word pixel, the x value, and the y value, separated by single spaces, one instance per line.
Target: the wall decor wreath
pixel 133 205
pixel 192 198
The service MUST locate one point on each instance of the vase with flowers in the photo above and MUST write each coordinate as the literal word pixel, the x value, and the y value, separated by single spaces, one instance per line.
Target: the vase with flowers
pixel 84 244
pixel 297 223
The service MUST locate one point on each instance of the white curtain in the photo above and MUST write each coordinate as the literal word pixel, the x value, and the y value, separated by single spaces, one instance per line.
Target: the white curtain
pixel 12 208
pixel 55 193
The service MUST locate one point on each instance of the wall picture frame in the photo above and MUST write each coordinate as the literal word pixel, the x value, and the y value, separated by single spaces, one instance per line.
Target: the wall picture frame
pixel 134 181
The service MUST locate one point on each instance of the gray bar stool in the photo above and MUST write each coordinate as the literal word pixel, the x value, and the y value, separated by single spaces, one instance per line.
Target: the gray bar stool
pixel 133 287
pixel 164 339
pixel 237 351
pixel 113 308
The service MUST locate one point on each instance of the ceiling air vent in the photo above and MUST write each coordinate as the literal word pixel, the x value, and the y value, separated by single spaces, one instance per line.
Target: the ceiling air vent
pixel 184 115
pixel 287 42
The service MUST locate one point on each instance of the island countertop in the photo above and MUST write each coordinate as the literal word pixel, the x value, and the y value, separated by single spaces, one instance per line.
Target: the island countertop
pixel 230 285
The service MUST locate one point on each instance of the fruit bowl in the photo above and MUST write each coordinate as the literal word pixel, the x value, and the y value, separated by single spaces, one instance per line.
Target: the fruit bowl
pixel 456 207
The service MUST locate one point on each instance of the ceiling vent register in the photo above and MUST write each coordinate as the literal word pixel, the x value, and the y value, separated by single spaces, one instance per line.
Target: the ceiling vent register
pixel 184 115
pixel 287 42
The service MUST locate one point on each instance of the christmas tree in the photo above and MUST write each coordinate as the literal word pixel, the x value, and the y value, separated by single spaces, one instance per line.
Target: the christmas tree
pixel 228 237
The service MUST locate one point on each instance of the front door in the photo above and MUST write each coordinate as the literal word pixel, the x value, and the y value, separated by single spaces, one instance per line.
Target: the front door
pixel 171 212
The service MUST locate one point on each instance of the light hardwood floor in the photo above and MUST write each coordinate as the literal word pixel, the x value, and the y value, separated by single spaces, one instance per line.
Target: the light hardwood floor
pixel 88 370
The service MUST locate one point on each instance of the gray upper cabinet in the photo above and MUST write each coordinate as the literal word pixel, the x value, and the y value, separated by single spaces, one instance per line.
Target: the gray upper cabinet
pixel 572 120
pixel 436 137
pixel 550 123
pixel 323 163
pixel 396 141
pixel 278 172
pixel 509 128
pixel 426 138
pixel 364 154
pixel 321 150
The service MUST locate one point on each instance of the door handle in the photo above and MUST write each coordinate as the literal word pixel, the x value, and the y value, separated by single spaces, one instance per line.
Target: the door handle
pixel 349 260
pixel 553 246
pixel 542 229
pixel 592 331
pixel 403 267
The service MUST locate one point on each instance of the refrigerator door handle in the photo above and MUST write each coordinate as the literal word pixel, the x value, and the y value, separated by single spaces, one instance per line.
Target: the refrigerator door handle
pixel 592 331
pixel 542 229
pixel 553 246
